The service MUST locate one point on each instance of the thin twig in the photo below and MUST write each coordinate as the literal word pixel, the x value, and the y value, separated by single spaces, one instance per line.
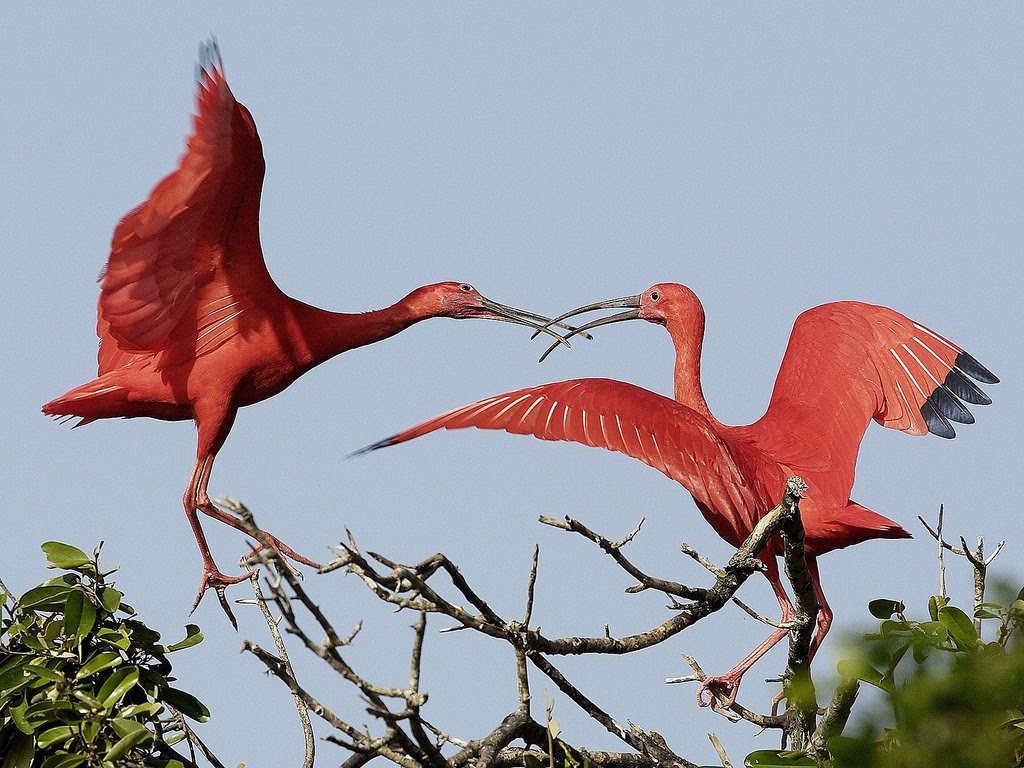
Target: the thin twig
pixel 720 750
pixel 282 652
pixel 763 619
pixel 531 585
pixel 614 550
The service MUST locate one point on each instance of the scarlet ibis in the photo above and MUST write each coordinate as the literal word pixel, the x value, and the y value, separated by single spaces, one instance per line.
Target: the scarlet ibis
pixel 192 326
pixel 846 363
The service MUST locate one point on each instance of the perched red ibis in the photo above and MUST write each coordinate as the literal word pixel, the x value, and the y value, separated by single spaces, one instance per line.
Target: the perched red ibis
pixel 846 364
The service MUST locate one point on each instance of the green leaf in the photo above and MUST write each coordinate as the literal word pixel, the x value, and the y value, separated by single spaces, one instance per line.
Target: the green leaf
pixel 63 761
pixel 960 627
pixel 99 662
pixel 117 685
pixel 12 674
pixel 934 603
pixel 889 627
pixel 18 715
pixel 770 758
pixel 861 669
pixel 934 631
pixel 192 637
pixel 111 599
pixel 64 555
pixel 46 710
pixel 45 673
pixel 922 650
pixel 87 698
pixel 553 728
pixel 149 708
pixel 133 734
pixel 46 597
pixel 124 727
pixel 79 615
pixel 57 735
pixel 114 637
pixel 140 633
pixel 185 703
pixel 20 752
pixel 529 761
pixel 883 609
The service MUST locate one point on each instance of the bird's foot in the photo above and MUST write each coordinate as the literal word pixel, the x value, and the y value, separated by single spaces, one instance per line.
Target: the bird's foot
pixel 284 552
pixel 217 581
pixel 721 694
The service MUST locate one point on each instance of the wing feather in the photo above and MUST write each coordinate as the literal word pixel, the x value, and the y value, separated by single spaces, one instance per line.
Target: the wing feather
pixel 848 363
pixel 618 417
pixel 193 245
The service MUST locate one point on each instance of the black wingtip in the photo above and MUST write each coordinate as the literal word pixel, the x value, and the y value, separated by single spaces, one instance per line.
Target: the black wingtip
pixel 936 422
pixel 209 57
pixel 965 389
pixel 373 447
pixel 974 369
pixel 947 405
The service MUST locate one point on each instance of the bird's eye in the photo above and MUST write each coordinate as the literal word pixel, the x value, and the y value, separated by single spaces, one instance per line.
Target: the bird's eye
pixel 466 287
pixel 655 295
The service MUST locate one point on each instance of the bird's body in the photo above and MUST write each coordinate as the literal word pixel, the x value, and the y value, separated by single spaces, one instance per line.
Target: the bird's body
pixel 192 326
pixel 846 364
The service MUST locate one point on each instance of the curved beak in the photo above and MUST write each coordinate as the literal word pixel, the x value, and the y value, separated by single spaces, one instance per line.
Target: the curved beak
pixel 625 301
pixel 492 310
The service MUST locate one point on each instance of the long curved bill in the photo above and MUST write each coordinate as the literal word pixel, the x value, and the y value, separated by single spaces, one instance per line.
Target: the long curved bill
pixel 492 310
pixel 625 301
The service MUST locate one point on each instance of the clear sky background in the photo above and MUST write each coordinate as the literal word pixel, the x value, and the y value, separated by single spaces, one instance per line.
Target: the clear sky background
pixel 770 157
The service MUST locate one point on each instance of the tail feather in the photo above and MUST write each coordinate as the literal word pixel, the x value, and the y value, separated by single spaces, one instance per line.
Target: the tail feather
pixel 93 400
pixel 855 524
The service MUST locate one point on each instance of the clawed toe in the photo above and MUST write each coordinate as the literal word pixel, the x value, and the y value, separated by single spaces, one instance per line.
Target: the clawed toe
pixel 721 694
pixel 217 581
pixel 283 551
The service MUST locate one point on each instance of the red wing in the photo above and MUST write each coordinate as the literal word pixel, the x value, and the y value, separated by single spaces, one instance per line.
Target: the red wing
pixel 848 363
pixel 619 417
pixel 186 265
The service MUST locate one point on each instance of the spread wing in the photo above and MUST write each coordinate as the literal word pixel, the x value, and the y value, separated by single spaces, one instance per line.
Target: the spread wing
pixel 621 417
pixel 848 363
pixel 186 271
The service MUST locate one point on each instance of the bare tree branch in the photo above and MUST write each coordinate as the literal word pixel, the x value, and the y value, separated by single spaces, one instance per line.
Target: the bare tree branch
pixel 436 586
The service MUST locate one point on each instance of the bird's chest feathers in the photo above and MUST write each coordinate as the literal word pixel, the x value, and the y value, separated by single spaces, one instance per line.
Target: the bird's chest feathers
pixel 266 378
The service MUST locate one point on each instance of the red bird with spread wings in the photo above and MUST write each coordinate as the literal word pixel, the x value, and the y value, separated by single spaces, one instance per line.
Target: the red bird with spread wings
pixel 846 364
pixel 191 324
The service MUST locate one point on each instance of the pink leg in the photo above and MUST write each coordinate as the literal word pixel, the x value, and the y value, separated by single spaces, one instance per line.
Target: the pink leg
pixel 276 544
pixel 825 614
pixel 729 683
pixel 214 423
pixel 212 577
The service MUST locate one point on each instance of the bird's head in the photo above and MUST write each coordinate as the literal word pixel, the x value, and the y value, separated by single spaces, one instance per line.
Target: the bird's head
pixel 664 304
pixel 462 301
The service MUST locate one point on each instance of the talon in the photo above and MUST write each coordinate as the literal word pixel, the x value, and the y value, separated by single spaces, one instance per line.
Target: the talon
pixel 284 553
pixel 217 581
pixel 721 694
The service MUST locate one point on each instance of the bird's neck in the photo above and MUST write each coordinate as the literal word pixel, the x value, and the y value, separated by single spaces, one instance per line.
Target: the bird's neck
pixel 687 339
pixel 330 333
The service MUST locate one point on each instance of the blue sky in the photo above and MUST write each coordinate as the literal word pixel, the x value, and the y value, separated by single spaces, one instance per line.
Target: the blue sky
pixel 770 157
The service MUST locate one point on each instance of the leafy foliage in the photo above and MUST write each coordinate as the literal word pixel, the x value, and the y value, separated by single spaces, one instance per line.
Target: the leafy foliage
pixel 959 700
pixel 83 682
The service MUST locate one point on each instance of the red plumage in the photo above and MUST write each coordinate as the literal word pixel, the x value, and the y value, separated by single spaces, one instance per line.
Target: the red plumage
pixel 846 364
pixel 192 326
